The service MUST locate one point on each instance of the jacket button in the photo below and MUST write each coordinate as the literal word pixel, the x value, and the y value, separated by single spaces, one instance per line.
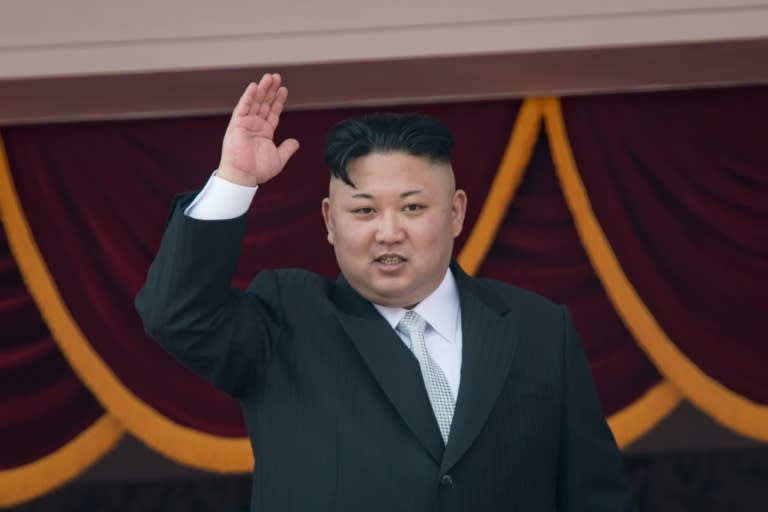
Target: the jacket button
pixel 446 480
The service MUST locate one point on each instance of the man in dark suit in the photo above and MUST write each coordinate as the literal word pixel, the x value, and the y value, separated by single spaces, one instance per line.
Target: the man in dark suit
pixel 405 385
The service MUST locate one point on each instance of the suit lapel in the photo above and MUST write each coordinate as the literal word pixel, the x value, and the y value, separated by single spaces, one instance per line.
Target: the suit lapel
pixel 489 342
pixel 391 363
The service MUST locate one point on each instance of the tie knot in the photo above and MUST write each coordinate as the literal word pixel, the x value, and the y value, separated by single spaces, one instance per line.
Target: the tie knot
pixel 412 324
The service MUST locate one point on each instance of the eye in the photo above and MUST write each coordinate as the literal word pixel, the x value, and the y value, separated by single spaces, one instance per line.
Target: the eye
pixel 363 211
pixel 413 207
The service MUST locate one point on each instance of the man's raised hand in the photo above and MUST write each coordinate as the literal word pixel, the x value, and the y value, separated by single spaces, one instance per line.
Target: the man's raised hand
pixel 249 155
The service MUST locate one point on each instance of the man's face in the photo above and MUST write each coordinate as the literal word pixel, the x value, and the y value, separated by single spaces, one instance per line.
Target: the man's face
pixel 393 232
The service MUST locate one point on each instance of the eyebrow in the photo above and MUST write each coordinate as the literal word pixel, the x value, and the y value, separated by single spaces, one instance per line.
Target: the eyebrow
pixel 363 195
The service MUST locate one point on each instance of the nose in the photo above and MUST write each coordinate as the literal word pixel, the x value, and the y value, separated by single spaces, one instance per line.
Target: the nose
pixel 389 229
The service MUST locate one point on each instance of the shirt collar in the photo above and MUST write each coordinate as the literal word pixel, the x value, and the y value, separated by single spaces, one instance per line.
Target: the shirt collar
pixel 440 309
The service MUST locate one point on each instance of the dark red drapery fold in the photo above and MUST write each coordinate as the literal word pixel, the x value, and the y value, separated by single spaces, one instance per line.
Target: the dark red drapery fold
pixel 679 184
pixel 43 404
pixel 537 248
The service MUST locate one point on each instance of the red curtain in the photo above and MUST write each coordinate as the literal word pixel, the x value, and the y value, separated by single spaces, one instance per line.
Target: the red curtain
pixel 43 404
pixel 537 247
pixel 676 183
pixel 679 184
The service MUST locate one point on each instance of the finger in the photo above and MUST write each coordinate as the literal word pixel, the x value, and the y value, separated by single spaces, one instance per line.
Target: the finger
pixel 277 81
pixel 271 87
pixel 287 149
pixel 264 109
pixel 266 80
pixel 272 92
pixel 243 106
pixel 277 106
pixel 270 96
pixel 261 91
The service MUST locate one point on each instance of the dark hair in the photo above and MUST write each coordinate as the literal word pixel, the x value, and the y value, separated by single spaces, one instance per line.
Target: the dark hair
pixel 413 134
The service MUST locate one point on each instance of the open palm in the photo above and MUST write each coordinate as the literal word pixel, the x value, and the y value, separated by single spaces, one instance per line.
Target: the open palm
pixel 249 155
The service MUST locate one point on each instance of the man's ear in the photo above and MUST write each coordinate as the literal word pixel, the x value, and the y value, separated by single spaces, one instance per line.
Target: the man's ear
pixel 326 208
pixel 458 210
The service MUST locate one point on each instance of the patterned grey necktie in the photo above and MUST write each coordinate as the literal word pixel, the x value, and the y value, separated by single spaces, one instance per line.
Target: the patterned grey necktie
pixel 439 393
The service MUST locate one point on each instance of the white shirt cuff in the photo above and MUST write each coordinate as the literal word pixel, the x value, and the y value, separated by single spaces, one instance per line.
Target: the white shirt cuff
pixel 221 199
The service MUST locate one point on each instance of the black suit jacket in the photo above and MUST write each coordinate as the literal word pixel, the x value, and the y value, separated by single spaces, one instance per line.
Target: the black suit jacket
pixel 335 404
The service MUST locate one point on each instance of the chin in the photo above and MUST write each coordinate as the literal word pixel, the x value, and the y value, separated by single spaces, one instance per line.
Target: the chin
pixel 390 298
pixel 400 300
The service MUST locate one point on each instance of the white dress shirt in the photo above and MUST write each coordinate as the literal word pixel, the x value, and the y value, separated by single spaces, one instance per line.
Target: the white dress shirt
pixel 221 199
pixel 443 335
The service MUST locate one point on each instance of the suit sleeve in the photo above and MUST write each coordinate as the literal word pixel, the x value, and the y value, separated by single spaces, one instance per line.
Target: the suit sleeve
pixel 187 304
pixel 591 472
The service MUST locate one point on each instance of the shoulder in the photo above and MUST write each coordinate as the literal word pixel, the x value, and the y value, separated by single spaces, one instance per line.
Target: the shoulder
pixel 524 305
pixel 290 279
pixel 292 282
pixel 514 295
pixel 544 328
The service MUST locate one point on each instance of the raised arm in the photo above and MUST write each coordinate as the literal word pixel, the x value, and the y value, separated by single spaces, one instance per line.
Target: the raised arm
pixel 187 305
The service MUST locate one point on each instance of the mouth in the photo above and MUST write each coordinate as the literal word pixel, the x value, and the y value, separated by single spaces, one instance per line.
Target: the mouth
pixel 391 259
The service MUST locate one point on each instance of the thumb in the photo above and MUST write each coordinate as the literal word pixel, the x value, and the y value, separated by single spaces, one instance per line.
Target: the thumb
pixel 287 149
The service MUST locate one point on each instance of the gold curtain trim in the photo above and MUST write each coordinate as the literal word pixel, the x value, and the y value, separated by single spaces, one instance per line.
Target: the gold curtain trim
pixel 635 419
pixel 503 188
pixel 644 413
pixel 177 442
pixel 31 480
pixel 725 406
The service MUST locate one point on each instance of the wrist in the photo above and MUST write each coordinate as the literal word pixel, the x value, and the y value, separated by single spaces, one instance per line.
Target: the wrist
pixel 237 177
